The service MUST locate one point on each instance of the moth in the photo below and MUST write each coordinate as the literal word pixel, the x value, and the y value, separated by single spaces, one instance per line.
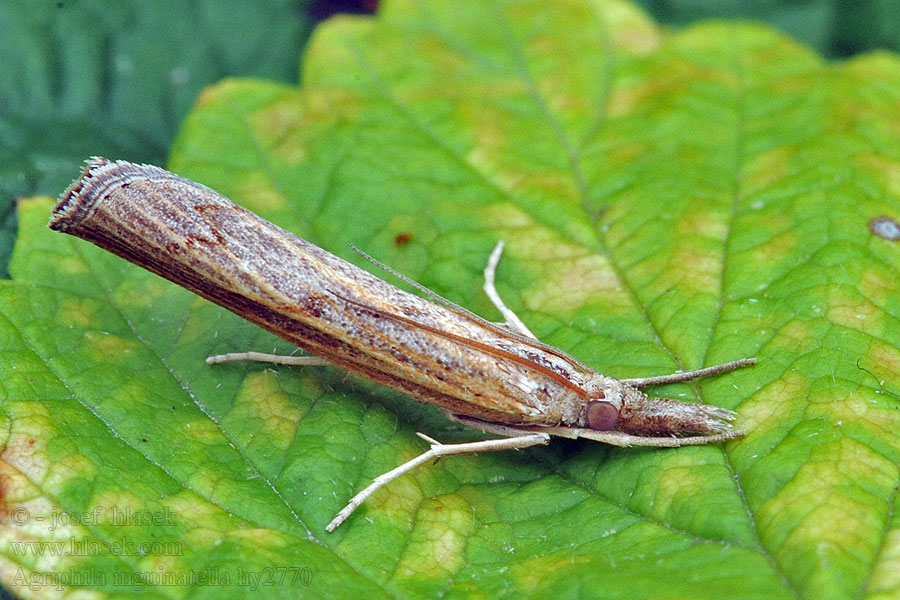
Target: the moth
pixel 495 378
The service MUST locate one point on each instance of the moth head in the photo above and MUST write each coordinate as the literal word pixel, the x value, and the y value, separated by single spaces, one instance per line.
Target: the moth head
pixel 605 399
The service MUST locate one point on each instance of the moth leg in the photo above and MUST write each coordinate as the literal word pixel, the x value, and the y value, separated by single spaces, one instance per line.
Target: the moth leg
pixel 277 359
pixel 622 439
pixel 689 375
pixel 492 428
pixel 613 438
pixel 436 451
pixel 511 319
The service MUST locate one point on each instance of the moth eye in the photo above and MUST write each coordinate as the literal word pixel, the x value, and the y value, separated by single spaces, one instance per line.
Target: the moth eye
pixel 602 416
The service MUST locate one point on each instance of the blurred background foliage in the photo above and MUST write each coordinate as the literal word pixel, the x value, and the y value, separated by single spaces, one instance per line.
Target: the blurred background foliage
pixel 835 28
pixel 91 77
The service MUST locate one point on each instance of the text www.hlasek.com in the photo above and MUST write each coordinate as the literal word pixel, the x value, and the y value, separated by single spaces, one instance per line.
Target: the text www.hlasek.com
pixel 90 547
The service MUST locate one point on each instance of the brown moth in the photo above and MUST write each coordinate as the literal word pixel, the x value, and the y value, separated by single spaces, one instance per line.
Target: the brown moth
pixel 496 378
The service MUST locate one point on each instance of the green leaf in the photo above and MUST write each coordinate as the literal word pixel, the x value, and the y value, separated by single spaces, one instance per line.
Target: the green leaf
pixel 668 201
pixel 94 77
